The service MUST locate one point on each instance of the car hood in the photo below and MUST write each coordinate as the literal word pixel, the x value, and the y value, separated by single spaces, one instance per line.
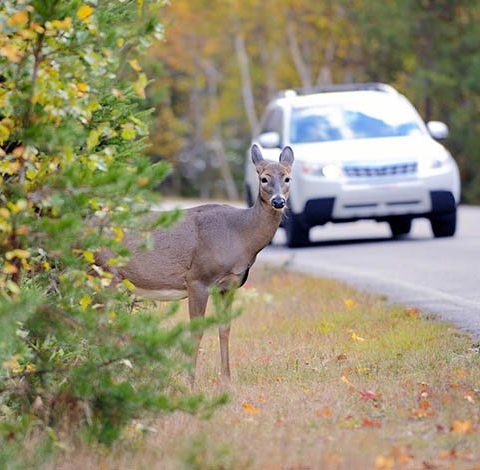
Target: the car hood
pixel 380 150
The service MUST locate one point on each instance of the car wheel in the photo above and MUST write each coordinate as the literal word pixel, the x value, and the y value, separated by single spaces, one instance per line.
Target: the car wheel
pixel 297 232
pixel 444 225
pixel 400 226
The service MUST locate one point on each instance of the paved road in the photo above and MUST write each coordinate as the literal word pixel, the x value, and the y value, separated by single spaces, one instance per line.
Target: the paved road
pixel 437 275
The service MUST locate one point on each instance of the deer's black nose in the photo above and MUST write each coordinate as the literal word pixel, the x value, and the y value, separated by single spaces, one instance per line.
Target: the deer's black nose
pixel 278 202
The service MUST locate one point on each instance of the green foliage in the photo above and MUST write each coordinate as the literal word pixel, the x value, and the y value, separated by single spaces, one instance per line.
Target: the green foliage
pixel 74 180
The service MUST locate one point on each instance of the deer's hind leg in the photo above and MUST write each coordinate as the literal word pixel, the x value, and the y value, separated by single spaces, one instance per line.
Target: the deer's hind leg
pixel 197 303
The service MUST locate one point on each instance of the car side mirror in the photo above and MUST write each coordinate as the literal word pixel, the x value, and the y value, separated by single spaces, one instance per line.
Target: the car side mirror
pixel 438 130
pixel 269 140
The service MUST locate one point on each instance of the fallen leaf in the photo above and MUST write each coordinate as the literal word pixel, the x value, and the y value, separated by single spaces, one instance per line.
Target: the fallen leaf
pixel 369 395
pixel 384 463
pixel 424 404
pixel 461 427
pixel 324 412
pixel 264 359
pixel 448 454
pixel 250 409
pixel 402 455
pixel 357 338
pixel 345 380
pixel 370 423
pixel 420 413
pixel 461 373
pixel 469 398
pixel 342 357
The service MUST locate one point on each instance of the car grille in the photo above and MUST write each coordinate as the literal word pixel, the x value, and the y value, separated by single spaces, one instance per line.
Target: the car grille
pixel 365 171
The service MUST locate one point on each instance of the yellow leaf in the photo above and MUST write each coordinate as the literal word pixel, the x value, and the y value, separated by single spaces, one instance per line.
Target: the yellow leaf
pixel 140 84
pixel 19 18
pixel 84 12
pixel 11 52
pixel 143 181
pixel 119 234
pixel 128 131
pixel 135 65
pixel 357 338
pixel 89 256
pixel 83 87
pixel 12 287
pixel 18 253
pixel 120 42
pixel 128 284
pixel 461 427
pixel 12 363
pixel 250 409
pixel 384 463
pixel 10 268
pixel 64 24
pixel 92 139
pixel 345 380
pixel 85 301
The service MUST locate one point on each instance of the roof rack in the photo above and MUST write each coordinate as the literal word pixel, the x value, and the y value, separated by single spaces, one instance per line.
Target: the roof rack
pixel 337 88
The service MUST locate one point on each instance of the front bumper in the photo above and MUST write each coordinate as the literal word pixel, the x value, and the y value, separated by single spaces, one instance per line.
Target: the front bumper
pixel 320 199
pixel 320 211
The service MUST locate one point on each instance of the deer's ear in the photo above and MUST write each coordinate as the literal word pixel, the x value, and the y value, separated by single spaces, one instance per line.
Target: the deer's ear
pixel 257 157
pixel 286 157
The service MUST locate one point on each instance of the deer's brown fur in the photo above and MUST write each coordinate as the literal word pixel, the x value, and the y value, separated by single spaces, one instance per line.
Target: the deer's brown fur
pixel 212 245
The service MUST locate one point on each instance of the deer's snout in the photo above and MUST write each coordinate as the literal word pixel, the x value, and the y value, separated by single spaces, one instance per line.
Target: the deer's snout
pixel 278 202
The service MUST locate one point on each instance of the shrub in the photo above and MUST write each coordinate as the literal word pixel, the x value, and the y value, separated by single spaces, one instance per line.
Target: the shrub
pixel 73 180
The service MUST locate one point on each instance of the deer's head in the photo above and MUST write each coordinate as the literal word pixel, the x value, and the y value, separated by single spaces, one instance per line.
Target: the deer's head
pixel 274 178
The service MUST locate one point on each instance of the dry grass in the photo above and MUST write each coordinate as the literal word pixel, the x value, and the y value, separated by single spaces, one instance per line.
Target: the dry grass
pixel 324 377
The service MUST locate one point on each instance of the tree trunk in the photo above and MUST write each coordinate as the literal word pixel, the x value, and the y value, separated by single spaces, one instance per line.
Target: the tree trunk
pixel 300 64
pixel 213 78
pixel 247 91
pixel 325 75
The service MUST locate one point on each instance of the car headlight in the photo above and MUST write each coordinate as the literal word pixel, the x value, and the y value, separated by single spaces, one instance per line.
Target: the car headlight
pixel 427 164
pixel 330 170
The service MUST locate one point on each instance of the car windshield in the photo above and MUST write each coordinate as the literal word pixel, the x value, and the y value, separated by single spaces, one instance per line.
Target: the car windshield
pixel 360 119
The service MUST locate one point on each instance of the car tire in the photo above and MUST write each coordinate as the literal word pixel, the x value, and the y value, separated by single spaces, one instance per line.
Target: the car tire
pixel 400 226
pixel 296 231
pixel 444 225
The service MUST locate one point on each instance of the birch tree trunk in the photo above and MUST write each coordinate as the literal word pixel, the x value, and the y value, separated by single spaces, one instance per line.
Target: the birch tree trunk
pixel 217 145
pixel 247 91
pixel 302 67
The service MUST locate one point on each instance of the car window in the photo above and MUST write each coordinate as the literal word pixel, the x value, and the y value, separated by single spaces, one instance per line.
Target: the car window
pixel 358 119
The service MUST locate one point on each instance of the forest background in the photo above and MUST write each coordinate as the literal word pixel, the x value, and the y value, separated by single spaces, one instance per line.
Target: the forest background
pixel 223 60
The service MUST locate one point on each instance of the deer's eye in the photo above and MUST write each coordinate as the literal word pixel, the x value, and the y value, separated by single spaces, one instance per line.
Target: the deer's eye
pixel 264 180
pixel 287 180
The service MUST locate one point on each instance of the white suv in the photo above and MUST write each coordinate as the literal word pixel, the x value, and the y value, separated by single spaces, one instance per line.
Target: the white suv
pixel 361 152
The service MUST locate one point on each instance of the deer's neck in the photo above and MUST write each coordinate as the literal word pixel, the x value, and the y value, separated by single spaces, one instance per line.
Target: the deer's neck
pixel 262 223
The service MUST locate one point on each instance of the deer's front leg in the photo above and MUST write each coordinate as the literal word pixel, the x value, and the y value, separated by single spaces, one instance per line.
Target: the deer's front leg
pixel 224 335
pixel 197 303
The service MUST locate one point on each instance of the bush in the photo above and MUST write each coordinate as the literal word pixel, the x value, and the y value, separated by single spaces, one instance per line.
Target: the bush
pixel 74 180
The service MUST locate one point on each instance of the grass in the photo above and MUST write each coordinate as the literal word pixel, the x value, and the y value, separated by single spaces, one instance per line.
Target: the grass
pixel 323 377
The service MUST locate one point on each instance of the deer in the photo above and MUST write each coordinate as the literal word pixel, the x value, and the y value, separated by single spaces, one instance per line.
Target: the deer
pixel 212 246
